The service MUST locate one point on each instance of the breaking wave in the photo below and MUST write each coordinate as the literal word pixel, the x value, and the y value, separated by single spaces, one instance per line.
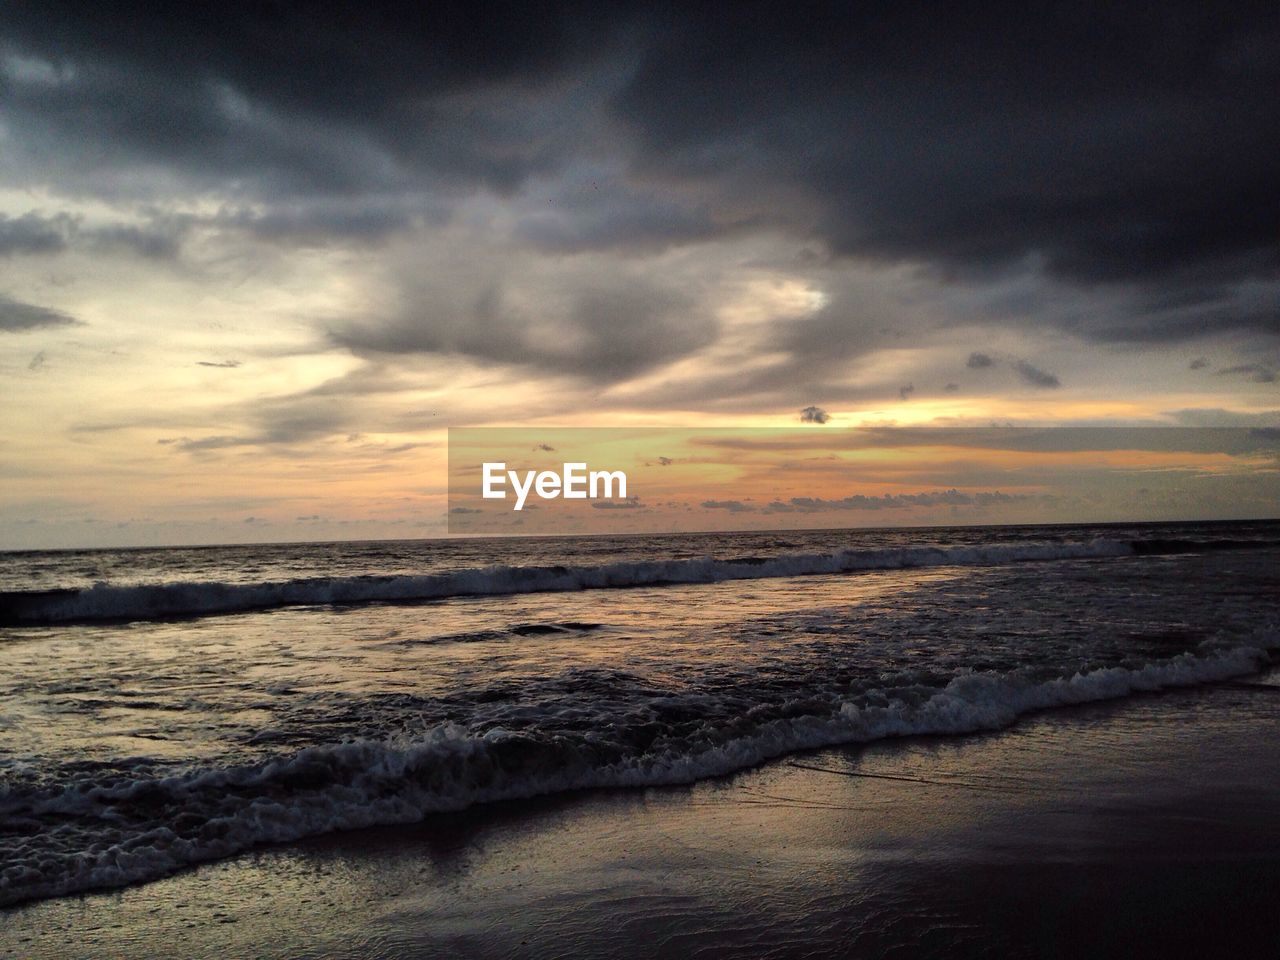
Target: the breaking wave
pixel 106 601
pixel 123 830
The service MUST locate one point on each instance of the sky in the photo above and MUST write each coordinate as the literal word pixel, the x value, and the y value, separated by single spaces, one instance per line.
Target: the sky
pixel 786 478
pixel 256 258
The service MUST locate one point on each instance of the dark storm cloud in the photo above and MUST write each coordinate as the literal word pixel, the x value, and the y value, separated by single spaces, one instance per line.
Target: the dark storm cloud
pixel 1116 149
pixel 18 317
pixel 301 99
pixel 1111 143
pixel 609 215
pixel 814 415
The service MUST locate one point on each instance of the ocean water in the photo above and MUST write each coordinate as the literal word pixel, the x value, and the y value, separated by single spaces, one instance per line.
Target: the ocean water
pixel 164 707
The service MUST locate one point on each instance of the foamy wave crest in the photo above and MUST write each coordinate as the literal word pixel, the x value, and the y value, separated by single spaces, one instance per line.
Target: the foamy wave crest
pixel 145 602
pixel 161 825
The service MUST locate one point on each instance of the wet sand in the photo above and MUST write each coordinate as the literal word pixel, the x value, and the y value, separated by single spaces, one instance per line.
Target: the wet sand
pixel 1147 827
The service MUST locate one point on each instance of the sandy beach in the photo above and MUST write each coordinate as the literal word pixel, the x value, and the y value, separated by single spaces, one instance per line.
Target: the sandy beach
pixel 1144 827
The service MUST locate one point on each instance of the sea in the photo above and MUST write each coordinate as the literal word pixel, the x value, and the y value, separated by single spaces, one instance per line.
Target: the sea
pixel 160 708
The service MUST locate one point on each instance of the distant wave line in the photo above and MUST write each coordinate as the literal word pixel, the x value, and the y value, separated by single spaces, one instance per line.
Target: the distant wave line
pixel 107 601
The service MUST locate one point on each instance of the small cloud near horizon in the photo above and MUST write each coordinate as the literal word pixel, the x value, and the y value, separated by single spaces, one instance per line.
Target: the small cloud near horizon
pixel 733 506
pixel 979 361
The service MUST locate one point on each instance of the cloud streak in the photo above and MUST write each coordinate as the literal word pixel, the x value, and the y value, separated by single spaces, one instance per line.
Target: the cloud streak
pixel 1034 376
pixel 897 501
pixel 19 317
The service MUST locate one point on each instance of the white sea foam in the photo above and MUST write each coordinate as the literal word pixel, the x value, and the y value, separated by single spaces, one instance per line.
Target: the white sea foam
pixel 106 601
pixel 164 824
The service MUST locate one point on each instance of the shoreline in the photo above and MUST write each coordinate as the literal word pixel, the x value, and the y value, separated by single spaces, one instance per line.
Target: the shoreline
pixel 955 845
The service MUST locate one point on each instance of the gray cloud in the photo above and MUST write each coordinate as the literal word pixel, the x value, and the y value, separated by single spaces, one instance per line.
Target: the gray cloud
pixel 814 415
pixel 158 241
pixel 158 238
pixel 733 506
pixel 32 233
pixel 588 215
pixel 219 442
pixel 631 503
pixel 1254 371
pixel 576 320
pixel 1026 371
pixel 19 317
pixel 1034 376
pixel 1218 417
pixel 319 221
pixel 282 422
